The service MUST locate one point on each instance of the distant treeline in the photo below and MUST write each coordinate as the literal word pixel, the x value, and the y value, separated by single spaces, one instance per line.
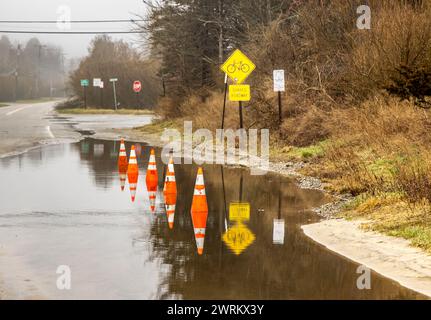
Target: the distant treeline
pixel 30 70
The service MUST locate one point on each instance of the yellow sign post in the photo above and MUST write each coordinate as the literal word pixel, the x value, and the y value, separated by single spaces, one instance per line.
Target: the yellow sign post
pixel 239 92
pixel 238 67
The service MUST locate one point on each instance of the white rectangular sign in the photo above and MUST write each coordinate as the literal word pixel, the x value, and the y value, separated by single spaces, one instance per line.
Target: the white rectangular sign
pixel 113 79
pixel 101 85
pixel 278 231
pixel 279 84
pixel 96 82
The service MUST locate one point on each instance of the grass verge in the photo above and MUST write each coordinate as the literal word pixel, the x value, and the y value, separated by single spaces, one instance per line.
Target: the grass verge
pixel 390 214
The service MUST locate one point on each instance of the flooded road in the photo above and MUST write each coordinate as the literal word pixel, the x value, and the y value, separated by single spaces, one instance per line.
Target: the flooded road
pixel 63 205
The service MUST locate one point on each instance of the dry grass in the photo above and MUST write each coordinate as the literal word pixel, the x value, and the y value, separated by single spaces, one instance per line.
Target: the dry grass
pixel 392 215
pixel 205 113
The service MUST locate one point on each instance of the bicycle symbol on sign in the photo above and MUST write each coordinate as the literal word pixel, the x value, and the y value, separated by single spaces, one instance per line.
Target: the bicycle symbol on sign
pixel 240 66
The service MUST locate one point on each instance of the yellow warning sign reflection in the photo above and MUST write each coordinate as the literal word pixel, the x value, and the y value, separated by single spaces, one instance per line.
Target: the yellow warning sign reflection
pixel 239 211
pixel 238 238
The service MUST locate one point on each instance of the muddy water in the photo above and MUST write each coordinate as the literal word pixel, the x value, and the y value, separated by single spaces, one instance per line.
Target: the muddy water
pixel 63 205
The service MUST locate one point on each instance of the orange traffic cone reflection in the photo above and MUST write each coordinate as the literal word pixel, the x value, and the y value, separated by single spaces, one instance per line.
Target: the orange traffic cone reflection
pixel 123 176
pixel 133 173
pixel 170 193
pixel 199 211
pixel 152 180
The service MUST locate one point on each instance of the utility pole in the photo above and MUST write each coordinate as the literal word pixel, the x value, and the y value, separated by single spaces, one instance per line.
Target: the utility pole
pixel 63 74
pixel 114 80
pixel 38 69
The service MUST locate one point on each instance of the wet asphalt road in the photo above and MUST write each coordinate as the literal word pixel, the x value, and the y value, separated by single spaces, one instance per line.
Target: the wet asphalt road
pixel 25 126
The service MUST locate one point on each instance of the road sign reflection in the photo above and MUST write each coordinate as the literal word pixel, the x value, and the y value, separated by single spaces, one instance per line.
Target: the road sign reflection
pixel 238 238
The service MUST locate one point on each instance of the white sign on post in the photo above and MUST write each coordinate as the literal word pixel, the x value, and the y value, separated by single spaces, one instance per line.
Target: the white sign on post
pixel 278 231
pixel 279 85
pixel 101 85
pixel 96 82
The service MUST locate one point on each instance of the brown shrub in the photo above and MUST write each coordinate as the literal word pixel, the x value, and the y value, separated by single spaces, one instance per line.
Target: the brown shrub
pixel 306 128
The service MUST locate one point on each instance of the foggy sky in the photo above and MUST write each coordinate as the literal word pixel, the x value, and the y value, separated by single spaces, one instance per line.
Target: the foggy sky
pixel 74 45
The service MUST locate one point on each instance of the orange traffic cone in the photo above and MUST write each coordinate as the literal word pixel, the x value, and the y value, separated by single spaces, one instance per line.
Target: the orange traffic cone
pixel 199 211
pixel 122 158
pixel 133 173
pixel 170 186
pixel 152 179
pixel 170 193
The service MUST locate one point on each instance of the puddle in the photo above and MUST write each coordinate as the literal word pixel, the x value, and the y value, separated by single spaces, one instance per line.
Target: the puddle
pixel 63 205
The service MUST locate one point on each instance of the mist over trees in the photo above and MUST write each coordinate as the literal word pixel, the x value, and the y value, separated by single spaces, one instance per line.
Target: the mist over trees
pixel 30 70
pixel 116 59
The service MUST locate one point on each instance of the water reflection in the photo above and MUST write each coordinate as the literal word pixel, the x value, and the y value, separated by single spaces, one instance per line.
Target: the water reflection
pixel 170 193
pixel 133 173
pixel 199 211
pixel 119 249
pixel 151 180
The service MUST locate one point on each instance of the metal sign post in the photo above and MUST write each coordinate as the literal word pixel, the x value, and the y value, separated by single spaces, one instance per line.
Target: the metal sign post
pixel 224 100
pixel 137 87
pixel 279 86
pixel 84 84
pixel 102 85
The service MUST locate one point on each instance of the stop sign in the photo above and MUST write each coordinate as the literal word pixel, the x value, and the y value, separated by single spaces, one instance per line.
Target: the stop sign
pixel 137 86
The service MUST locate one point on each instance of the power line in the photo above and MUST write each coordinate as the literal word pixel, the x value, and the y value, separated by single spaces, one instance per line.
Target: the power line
pixel 69 32
pixel 72 21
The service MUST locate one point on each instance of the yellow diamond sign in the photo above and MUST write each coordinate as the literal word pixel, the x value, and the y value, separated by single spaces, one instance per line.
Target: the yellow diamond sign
pixel 238 238
pixel 238 67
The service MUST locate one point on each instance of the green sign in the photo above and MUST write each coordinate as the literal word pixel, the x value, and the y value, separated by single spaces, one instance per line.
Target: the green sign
pixel 85 83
